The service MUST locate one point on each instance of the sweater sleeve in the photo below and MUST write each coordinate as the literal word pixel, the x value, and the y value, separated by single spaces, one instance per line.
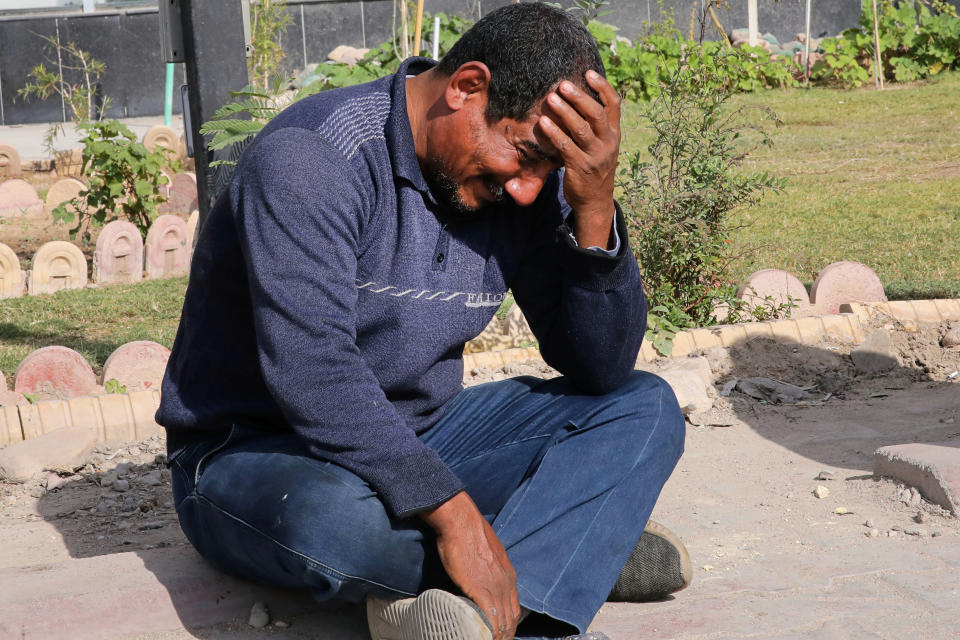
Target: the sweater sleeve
pixel 587 308
pixel 299 212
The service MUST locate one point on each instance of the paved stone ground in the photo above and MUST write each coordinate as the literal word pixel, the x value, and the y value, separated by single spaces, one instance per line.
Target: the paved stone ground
pixel 771 560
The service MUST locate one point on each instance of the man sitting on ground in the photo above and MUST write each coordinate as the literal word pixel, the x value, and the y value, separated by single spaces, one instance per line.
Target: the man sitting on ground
pixel 318 432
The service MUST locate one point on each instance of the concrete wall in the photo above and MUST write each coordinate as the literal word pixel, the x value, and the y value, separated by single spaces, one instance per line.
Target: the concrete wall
pixel 127 40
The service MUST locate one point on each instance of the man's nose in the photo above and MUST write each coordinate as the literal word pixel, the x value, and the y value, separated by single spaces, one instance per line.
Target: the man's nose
pixel 525 188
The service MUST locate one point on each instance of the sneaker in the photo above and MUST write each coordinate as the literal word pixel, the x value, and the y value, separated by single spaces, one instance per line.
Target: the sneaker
pixel 658 566
pixel 433 615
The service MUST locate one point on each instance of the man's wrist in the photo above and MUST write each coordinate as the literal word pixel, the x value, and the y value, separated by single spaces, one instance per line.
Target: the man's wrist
pixel 595 227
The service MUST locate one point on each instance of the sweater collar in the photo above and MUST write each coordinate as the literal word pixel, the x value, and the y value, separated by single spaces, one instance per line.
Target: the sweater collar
pixel 399 135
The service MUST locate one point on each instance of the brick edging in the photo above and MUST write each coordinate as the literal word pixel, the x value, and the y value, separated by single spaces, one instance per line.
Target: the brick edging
pixel 847 325
pixel 129 416
pixel 117 417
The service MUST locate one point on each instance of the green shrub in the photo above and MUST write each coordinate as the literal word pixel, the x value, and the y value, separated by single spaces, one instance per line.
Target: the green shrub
pixel 677 202
pixel 124 180
pixel 918 38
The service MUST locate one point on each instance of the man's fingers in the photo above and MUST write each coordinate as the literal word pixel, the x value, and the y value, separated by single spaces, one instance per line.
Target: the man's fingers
pixel 569 150
pixel 608 96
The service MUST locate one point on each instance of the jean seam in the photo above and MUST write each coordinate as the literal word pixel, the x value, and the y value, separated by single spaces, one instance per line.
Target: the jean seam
pixel 489 451
pixel 198 469
pixel 313 562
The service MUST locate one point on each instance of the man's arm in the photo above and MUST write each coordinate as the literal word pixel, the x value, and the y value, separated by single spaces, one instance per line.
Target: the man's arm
pixel 586 308
pixel 299 211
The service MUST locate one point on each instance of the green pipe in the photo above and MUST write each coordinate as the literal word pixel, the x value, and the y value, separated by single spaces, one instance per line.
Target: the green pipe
pixel 168 103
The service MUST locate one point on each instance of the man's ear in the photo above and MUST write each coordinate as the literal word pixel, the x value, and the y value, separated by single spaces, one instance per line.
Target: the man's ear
pixel 467 84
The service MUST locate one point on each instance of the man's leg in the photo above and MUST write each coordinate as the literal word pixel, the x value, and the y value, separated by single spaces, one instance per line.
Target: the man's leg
pixel 568 480
pixel 259 506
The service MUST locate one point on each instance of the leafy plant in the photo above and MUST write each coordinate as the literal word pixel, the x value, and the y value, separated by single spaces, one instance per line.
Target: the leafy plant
pixel 918 38
pixel 124 180
pixel 268 21
pixel 83 96
pixel 113 386
pixel 678 201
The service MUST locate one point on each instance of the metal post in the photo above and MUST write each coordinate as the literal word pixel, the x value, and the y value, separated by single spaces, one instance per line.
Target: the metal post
pixel 215 57
pixel 806 47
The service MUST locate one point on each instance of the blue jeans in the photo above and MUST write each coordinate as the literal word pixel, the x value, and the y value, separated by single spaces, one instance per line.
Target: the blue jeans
pixel 567 481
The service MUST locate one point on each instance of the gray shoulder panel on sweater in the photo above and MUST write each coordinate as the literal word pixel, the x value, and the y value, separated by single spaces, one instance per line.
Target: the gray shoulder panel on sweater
pixel 357 121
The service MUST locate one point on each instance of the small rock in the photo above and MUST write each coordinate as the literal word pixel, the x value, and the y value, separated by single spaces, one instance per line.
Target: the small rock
pixel 37 492
pixel 66 448
pixel 160 458
pixel 728 387
pixel 915 497
pixel 54 481
pixel 107 479
pixel 147 526
pixel 913 532
pixel 129 504
pixel 259 616
pixel 121 486
pixel 868 524
pixel 708 567
pixel 152 479
pixel 951 338
pixel 821 491
pixel 873 533
pixel 123 469
pixel 920 518
pixel 106 506
pixel 935 534
pixel 892 534
pixel 280 624
pixel 841 511
pixel 824 475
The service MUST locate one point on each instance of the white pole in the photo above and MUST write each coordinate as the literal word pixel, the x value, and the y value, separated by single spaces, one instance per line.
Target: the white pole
pixel 753 25
pixel 806 46
pixel 436 37
pixel 88 6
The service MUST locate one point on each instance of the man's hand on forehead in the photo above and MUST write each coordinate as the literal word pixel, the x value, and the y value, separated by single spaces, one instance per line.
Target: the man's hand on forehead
pixel 586 133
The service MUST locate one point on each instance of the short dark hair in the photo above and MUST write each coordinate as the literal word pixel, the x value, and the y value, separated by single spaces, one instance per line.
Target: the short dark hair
pixel 529 48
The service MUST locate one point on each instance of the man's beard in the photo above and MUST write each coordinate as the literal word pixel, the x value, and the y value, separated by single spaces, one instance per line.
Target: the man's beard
pixel 447 190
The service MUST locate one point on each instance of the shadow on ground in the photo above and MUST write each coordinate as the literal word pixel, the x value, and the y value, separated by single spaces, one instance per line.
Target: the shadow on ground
pixel 849 411
pixel 126 512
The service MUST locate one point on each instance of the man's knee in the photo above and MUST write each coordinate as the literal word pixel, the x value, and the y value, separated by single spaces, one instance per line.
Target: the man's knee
pixel 654 402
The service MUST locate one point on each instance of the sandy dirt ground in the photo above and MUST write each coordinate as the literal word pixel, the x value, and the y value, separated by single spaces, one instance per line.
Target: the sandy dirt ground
pixel 869 559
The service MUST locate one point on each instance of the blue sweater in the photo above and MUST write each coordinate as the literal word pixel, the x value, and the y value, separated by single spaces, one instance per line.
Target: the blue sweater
pixel 330 294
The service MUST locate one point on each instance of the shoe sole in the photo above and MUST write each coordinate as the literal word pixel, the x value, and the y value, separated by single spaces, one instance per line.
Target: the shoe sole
pixel 433 615
pixel 686 567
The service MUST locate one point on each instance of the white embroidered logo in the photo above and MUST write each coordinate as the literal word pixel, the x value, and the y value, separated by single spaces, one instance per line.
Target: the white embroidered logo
pixel 472 300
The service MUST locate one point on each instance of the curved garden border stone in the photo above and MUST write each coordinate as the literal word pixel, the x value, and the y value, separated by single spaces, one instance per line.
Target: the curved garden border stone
pixel 57 265
pixel 55 370
pixel 118 257
pixel 12 277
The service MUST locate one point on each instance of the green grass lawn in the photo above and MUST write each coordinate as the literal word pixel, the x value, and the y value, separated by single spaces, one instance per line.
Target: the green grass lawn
pixel 92 321
pixel 874 176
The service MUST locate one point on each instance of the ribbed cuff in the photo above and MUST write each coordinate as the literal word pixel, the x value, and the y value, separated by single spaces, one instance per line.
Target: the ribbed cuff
pixel 592 270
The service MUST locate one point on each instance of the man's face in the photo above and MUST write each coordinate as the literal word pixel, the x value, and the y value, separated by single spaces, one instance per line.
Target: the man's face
pixel 480 163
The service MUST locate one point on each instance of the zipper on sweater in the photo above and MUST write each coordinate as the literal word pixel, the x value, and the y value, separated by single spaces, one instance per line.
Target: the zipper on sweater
pixel 440 253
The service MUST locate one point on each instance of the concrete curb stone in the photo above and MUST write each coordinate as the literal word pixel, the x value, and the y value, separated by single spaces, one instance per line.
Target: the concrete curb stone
pixel 934 468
